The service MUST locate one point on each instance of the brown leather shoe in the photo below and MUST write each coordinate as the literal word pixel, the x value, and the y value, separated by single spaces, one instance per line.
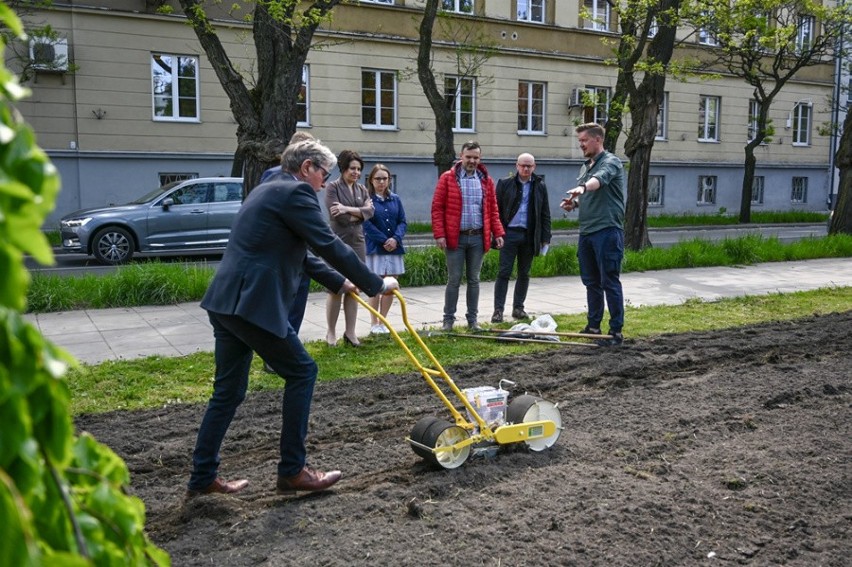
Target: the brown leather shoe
pixel 308 480
pixel 219 486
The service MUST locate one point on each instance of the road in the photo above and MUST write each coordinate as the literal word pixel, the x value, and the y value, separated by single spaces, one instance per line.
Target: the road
pixel 79 264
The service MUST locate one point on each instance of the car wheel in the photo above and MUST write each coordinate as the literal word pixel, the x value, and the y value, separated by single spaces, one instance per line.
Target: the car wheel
pixel 113 245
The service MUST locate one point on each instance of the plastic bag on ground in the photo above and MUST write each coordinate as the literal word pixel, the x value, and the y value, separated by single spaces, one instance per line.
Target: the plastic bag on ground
pixel 544 323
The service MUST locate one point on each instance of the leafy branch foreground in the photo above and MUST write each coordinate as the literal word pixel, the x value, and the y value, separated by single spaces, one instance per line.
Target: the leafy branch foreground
pixel 158 283
pixel 159 381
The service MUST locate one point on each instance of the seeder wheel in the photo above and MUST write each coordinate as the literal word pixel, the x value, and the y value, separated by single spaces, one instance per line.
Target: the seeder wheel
pixel 524 409
pixel 436 433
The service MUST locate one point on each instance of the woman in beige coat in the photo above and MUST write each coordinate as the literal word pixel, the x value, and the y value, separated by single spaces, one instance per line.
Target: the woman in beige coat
pixel 349 205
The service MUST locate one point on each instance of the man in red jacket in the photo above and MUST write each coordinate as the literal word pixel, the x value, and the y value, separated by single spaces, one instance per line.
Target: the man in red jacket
pixel 464 219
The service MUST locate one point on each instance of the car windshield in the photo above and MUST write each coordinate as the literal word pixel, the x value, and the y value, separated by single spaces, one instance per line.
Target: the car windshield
pixel 148 197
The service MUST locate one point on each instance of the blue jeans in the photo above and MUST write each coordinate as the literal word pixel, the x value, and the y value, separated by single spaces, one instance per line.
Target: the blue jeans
pixel 466 258
pixel 515 245
pixel 600 255
pixel 236 339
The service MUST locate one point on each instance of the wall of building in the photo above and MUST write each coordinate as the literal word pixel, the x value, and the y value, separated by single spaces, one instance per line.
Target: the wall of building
pixel 97 123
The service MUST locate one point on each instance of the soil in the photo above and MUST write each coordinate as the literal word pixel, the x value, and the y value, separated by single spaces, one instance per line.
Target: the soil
pixel 729 447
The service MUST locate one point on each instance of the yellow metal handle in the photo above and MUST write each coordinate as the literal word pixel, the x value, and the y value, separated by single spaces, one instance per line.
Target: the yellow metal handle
pixel 428 373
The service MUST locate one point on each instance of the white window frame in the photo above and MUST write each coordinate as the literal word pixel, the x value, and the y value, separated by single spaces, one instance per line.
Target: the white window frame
pixel 163 79
pixel 753 113
pixel 663 119
pixel 802 119
pixel 705 37
pixel 656 190
pixel 805 33
pixel 305 94
pixel 599 15
pixel 599 112
pixel 707 192
pixel 758 185
pixel 457 6
pixel 376 91
pixel 527 102
pixel 458 96
pixel 531 11
pixel 378 1
pixel 799 192
pixel 709 119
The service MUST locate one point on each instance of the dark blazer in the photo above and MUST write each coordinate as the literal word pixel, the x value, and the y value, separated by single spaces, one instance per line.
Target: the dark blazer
pixel 509 192
pixel 268 251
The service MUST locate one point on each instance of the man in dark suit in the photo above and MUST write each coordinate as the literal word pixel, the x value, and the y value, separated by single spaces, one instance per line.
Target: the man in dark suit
pixel 248 303
pixel 525 214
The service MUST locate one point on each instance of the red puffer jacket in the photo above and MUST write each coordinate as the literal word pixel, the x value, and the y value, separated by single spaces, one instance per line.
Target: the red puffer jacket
pixel 447 207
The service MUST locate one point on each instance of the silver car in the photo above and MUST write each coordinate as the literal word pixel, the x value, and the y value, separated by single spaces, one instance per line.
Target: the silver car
pixel 185 215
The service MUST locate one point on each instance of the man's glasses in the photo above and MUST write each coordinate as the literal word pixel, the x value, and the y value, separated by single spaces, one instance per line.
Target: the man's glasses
pixel 325 173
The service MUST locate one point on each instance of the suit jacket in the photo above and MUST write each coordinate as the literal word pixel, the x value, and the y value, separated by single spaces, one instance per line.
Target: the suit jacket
pixel 509 193
pixel 267 253
pixel 349 227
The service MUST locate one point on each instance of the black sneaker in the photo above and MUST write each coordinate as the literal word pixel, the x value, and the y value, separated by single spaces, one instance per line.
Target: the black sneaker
pixel 519 314
pixel 590 331
pixel 616 340
pixel 474 327
pixel 447 327
pixel 498 316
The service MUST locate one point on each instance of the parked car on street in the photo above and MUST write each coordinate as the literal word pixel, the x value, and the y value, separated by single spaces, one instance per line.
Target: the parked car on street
pixel 195 214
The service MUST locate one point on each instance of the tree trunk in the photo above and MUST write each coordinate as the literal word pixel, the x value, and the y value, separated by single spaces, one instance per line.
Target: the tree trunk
pixel 748 182
pixel 445 153
pixel 644 106
pixel 841 219
pixel 640 143
pixel 266 114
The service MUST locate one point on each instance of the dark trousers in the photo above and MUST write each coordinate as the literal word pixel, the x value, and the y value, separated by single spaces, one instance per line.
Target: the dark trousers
pixel 236 339
pixel 600 255
pixel 515 245
pixel 300 302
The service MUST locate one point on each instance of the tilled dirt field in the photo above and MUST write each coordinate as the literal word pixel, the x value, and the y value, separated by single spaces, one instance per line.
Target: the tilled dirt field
pixel 730 447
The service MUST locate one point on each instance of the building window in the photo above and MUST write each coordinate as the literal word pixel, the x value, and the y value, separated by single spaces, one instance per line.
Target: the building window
pixel 706 189
pixel 531 11
pixel 596 105
pixel 705 35
pixel 531 105
pixel 303 107
pixel 460 94
pixel 596 15
pixel 166 178
pixel 656 184
pixel 175 87
pixel 802 124
pixel 800 190
pixel 753 114
pixel 708 119
pixel 757 189
pixel 378 99
pixel 805 33
pixel 458 6
pixel 663 118
pixel 653 28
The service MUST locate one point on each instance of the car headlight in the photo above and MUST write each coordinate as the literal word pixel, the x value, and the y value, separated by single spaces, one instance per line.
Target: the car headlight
pixel 72 223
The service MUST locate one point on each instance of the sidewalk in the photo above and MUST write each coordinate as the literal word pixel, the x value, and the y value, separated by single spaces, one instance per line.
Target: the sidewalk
pixel 97 335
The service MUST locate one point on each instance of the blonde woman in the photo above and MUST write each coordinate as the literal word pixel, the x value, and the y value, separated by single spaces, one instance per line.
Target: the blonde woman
pixel 349 205
pixel 384 232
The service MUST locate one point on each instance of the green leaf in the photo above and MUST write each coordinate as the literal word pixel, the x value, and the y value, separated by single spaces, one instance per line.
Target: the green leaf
pixel 16 529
